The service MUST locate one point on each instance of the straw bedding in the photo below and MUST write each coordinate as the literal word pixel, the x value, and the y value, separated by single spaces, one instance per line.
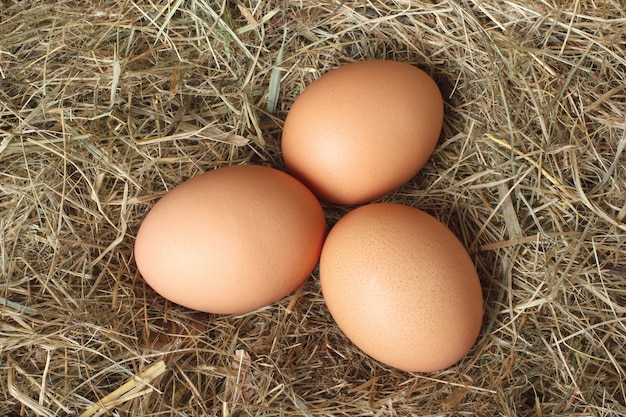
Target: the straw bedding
pixel 104 106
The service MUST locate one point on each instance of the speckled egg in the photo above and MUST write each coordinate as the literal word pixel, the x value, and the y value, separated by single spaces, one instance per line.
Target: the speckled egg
pixel 401 287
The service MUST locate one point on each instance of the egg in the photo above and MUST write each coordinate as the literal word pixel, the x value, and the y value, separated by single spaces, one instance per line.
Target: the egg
pixel 362 130
pixel 231 240
pixel 401 287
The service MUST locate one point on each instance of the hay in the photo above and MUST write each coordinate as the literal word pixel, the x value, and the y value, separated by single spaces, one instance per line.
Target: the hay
pixel 104 106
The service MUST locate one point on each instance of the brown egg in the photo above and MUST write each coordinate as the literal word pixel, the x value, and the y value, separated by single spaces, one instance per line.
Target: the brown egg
pixel 231 240
pixel 402 287
pixel 362 130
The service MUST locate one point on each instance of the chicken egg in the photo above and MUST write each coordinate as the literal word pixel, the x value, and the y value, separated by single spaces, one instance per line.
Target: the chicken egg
pixel 362 130
pixel 231 240
pixel 401 287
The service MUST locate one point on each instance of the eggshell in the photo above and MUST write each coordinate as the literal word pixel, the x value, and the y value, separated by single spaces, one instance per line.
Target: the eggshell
pixel 362 130
pixel 231 240
pixel 402 287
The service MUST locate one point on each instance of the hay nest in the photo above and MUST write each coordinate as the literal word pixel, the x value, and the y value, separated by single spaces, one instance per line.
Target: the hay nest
pixel 104 106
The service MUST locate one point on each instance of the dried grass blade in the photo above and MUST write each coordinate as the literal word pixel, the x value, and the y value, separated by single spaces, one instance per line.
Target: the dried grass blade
pixel 274 89
pixel 117 71
pixel 24 399
pixel 132 386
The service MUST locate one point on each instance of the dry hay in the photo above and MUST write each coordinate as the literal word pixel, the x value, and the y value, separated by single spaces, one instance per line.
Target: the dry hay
pixel 106 105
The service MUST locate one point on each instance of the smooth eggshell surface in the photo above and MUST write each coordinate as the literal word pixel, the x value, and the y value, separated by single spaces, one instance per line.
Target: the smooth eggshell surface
pixel 362 130
pixel 231 240
pixel 402 287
